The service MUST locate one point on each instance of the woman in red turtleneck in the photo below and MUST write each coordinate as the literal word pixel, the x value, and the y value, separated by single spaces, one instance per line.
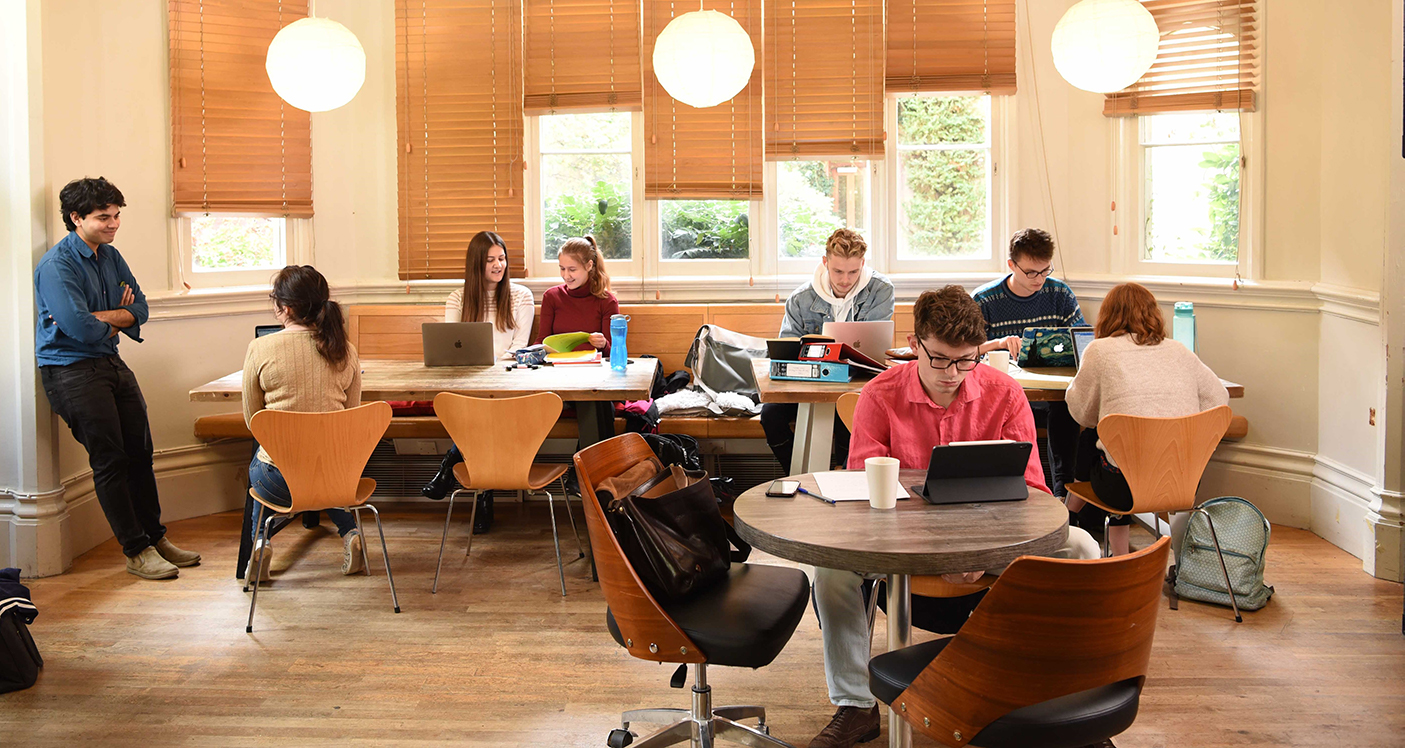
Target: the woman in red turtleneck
pixel 584 302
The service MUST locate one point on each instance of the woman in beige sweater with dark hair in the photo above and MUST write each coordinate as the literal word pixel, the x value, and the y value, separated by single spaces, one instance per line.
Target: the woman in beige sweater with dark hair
pixel 1132 368
pixel 309 366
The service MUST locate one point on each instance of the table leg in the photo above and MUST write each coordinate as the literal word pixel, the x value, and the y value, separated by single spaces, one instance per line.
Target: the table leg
pixel 899 636
pixel 800 452
pixel 821 437
pixel 596 420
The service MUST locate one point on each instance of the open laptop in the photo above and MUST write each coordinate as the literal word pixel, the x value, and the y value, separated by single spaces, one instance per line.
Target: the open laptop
pixel 972 472
pixel 457 343
pixel 1057 341
pixel 1082 336
pixel 262 330
pixel 872 339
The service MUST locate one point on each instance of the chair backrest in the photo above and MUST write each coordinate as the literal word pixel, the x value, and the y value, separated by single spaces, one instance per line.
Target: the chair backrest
pixel 499 437
pixel 321 455
pixel 1163 458
pixel 649 632
pixel 1047 628
pixel 844 408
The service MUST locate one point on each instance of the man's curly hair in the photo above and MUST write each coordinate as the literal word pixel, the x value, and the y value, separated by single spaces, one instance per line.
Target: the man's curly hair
pixel 949 315
pixel 846 243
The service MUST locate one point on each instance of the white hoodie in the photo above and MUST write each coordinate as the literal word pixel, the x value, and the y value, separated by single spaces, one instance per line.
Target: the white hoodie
pixel 842 308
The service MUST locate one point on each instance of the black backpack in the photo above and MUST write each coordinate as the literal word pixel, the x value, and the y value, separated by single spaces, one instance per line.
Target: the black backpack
pixel 19 658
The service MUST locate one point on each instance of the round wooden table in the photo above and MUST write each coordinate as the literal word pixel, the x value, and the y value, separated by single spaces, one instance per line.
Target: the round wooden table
pixel 915 538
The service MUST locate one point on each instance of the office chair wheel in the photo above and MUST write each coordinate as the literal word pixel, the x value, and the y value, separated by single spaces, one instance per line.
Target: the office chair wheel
pixel 619 738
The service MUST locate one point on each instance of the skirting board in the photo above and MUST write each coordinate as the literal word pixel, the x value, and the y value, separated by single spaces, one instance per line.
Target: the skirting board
pixel 192 481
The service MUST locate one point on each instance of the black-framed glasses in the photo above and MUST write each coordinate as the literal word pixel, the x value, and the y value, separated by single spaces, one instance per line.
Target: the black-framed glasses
pixel 942 363
pixel 1036 274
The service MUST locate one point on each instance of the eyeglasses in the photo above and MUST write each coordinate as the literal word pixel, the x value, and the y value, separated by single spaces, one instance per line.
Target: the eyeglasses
pixel 1035 274
pixel 942 363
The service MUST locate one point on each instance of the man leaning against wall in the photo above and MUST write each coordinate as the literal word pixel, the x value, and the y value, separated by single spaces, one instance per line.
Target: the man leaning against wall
pixel 86 295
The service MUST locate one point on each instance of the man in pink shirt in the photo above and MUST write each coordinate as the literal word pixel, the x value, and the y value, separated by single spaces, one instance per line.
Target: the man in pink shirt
pixel 942 397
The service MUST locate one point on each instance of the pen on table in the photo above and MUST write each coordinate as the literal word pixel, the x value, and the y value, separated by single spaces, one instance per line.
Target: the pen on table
pixel 826 500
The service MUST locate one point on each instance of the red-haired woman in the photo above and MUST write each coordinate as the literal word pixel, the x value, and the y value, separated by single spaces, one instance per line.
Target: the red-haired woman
pixel 1132 368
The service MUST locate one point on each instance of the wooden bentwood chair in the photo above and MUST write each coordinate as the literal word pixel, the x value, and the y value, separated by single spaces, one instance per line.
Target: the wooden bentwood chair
pixel 742 621
pixel 499 439
pixel 923 586
pixel 1013 677
pixel 1162 460
pixel 321 456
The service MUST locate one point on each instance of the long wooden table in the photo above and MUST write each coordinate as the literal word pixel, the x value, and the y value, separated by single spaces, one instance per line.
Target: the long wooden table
pixel 814 421
pixel 914 538
pixel 592 387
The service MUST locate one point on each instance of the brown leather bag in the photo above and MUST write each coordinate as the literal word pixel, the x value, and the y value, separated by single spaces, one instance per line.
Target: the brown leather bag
pixel 669 527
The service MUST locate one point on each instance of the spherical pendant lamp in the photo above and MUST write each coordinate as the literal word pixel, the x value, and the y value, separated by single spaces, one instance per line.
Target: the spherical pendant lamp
pixel 1105 45
pixel 703 58
pixel 316 64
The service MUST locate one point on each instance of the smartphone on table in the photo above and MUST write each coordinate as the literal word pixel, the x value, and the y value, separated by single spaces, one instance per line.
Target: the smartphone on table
pixel 783 489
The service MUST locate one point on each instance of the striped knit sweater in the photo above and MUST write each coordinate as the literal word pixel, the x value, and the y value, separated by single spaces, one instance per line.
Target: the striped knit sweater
pixel 284 371
pixel 1053 305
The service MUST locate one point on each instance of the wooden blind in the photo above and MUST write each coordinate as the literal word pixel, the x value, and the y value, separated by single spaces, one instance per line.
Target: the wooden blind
pixel 1208 59
pixel 458 102
pixel 582 54
pixel 824 86
pixel 702 154
pixel 951 45
pixel 236 146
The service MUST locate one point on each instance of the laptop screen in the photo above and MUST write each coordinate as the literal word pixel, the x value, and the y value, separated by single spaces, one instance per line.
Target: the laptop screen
pixel 1082 336
pixel 262 330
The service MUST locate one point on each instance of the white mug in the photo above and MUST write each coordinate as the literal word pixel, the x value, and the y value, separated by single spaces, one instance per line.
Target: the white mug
pixel 882 473
pixel 999 360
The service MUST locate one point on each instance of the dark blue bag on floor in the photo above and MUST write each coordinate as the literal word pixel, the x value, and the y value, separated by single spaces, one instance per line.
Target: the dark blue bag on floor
pixel 19 657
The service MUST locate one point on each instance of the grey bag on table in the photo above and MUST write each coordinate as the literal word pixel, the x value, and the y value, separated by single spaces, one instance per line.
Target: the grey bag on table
pixel 721 361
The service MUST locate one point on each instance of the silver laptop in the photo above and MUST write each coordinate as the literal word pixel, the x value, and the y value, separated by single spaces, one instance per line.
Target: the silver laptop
pixel 458 343
pixel 872 339
pixel 1082 336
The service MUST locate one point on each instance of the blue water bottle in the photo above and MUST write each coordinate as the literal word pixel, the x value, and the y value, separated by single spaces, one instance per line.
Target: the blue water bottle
pixel 1183 324
pixel 619 353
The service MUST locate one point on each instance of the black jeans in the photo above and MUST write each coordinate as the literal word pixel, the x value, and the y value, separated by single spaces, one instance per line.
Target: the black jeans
pixel 101 402
pixel 1063 441
pixel 775 421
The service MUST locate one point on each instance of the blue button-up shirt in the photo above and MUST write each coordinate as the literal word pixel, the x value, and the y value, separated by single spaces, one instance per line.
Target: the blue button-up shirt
pixel 71 282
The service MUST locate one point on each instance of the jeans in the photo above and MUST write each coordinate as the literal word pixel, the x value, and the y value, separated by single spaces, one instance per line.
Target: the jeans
pixel 775 421
pixel 1063 441
pixel 269 482
pixel 101 402
pixel 839 601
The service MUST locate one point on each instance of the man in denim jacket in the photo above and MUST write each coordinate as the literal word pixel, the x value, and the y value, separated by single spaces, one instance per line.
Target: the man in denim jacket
pixel 844 289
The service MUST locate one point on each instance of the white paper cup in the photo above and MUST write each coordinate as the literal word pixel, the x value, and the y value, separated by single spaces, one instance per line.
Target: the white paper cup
pixel 882 473
pixel 999 360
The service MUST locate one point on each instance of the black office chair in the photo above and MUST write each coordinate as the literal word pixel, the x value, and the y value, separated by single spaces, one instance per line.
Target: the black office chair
pixel 743 621
pixel 1053 657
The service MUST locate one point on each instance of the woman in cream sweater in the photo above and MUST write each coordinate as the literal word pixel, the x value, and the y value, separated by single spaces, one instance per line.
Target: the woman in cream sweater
pixel 309 366
pixel 487 295
pixel 1132 368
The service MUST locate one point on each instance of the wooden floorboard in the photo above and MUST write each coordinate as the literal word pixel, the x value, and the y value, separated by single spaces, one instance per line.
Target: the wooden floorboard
pixel 499 658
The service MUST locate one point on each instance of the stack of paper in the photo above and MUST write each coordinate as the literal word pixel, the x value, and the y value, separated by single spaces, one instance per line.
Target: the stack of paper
pixel 848 485
pixel 591 356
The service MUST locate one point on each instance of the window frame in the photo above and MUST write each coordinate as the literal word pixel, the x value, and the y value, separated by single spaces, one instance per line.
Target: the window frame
pixel 999 196
pixel 1129 190
pixel 297 241
pixel 774 264
pixel 537 265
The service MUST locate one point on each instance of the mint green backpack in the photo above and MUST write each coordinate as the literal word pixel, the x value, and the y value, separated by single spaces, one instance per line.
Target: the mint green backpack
pixel 1243 533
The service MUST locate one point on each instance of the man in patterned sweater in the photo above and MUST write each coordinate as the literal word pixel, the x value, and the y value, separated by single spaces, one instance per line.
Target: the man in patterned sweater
pixel 1028 297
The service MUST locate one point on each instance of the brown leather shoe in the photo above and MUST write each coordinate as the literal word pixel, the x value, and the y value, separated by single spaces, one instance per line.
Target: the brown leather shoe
pixel 851 725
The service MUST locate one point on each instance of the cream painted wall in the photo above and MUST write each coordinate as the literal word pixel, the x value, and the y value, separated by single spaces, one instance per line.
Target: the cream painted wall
pixel 1291 96
pixel 1356 126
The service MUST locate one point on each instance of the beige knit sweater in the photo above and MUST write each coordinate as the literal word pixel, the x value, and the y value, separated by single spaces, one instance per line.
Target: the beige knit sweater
pixel 284 371
pixel 1164 380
